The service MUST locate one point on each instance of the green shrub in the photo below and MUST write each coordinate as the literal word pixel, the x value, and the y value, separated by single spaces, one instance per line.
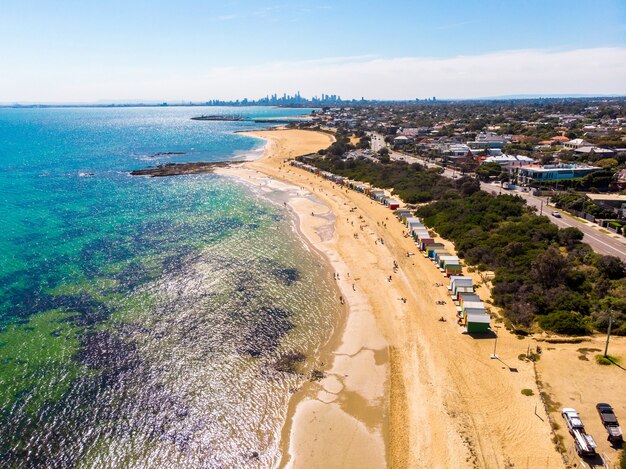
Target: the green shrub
pixel 565 322
pixel 608 360
pixel 602 360
pixel 527 392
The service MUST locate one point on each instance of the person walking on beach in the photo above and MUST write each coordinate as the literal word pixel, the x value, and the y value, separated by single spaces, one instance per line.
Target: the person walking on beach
pixel 353 287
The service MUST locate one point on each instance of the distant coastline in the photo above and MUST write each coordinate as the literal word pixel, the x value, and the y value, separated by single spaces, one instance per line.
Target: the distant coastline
pixel 297 102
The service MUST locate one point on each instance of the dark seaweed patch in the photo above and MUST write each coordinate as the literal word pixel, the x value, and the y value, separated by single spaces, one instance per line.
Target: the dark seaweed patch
pixel 104 350
pixel 287 275
pixel 264 337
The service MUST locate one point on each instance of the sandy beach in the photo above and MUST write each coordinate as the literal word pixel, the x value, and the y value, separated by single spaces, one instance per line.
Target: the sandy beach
pixel 403 389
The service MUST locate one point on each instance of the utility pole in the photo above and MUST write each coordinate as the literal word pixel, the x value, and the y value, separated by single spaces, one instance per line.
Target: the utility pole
pixel 608 334
pixel 541 208
pixel 495 344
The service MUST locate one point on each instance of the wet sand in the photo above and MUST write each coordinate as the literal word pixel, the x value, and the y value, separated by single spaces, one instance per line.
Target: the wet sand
pixel 402 388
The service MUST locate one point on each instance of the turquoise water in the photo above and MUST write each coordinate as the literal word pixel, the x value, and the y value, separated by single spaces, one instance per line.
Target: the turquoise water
pixel 146 322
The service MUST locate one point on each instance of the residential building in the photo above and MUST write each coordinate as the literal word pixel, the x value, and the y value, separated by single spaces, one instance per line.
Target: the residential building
pixel 591 150
pixel 554 173
pixel 510 161
pixel 576 143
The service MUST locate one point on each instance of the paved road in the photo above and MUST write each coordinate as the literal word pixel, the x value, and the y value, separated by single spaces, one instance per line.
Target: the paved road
pixel 601 243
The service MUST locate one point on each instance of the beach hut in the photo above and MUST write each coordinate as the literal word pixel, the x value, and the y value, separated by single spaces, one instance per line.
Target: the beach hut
pixel 441 260
pixel 430 252
pixel 467 297
pixel 393 204
pixel 376 192
pixel 410 222
pixel 420 233
pixel 402 214
pixel 464 297
pixel 438 250
pixel 425 242
pixel 451 265
pixel 439 254
pixel 450 268
pixel 476 323
pixel 453 270
pixel 417 228
pixel 460 284
pixel 472 307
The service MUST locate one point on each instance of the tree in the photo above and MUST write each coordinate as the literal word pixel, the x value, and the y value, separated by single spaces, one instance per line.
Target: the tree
pixel 607 163
pixel 612 267
pixel 569 237
pixel 549 268
pixel 565 322
pixel 488 170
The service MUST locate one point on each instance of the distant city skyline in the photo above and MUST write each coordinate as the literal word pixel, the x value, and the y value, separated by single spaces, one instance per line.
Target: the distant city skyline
pixel 401 49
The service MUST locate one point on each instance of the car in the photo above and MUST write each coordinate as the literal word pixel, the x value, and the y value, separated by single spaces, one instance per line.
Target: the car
pixel 609 420
pixel 556 214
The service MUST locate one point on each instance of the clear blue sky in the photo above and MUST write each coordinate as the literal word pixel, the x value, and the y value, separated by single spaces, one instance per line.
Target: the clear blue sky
pixel 68 41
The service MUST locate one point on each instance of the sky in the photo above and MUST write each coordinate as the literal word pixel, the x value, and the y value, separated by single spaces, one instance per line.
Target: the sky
pixel 195 50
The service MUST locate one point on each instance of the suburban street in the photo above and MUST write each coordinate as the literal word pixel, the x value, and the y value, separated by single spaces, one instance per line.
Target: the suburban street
pixel 602 243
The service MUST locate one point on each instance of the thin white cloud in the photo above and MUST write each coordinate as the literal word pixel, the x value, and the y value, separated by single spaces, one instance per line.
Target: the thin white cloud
pixel 455 25
pixel 582 71
pixel 224 17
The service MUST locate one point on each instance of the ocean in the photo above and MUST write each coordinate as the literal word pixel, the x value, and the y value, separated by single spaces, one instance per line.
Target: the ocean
pixel 147 322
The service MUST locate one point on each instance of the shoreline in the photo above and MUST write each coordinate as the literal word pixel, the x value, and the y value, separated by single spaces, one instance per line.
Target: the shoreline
pixel 447 404
pixel 354 352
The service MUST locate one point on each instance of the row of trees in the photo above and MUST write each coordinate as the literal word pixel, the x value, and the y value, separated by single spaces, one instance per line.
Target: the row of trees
pixel 542 273
pixel 412 183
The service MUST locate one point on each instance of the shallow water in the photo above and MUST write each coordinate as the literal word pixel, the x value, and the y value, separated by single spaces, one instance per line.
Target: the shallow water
pixel 146 322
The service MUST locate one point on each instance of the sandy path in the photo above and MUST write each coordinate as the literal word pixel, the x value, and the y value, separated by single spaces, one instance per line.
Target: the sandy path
pixel 448 404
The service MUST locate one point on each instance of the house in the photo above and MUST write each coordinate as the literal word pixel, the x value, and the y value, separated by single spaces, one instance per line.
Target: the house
pixel 486 140
pixel 554 173
pixel 510 161
pixel 456 149
pixel 576 143
pixel 611 202
pixel 560 139
pixel 401 140
pixel 591 150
